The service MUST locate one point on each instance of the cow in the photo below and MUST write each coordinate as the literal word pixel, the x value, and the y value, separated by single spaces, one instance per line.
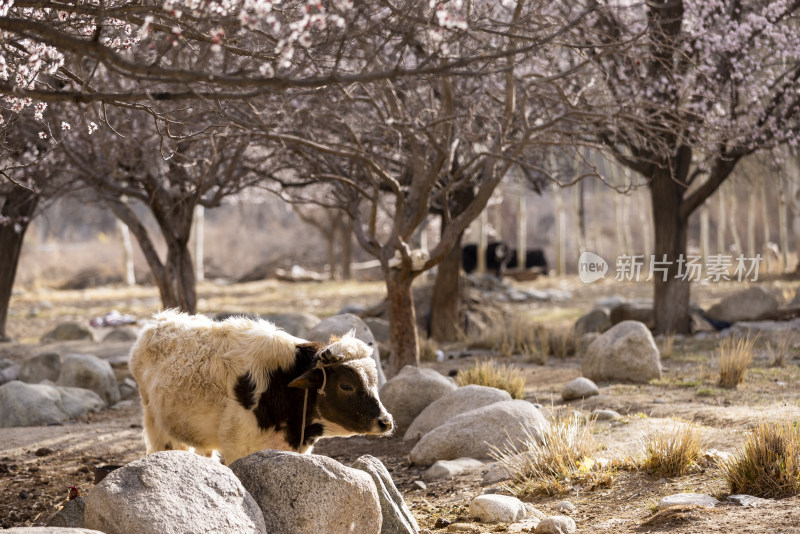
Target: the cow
pixel 242 385
pixel 496 255
pixel 534 260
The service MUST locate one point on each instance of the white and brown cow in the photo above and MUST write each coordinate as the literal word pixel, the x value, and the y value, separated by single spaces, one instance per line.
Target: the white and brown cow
pixel 240 385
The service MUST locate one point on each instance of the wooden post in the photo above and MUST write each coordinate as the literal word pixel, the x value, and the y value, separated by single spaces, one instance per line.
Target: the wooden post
pixel 721 221
pixel 127 253
pixel 522 226
pixel 704 227
pixel 765 222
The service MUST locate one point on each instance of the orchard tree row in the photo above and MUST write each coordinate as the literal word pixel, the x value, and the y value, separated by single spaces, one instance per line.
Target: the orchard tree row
pixel 387 112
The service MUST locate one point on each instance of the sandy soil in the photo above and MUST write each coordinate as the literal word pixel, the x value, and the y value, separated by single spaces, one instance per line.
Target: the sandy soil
pixel 37 464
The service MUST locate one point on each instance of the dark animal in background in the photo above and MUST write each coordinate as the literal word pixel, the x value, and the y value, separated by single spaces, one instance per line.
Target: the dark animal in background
pixel 496 256
pixel 534 259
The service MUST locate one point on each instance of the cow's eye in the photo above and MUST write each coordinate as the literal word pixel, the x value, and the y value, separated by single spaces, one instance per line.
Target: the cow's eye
pixel 346 387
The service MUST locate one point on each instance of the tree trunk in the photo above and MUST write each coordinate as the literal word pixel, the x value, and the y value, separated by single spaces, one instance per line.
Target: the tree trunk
pixel 671 296
pixel 402 320
pixel 178 288
pixel 19 207
pixel 445 323
pixel 346 228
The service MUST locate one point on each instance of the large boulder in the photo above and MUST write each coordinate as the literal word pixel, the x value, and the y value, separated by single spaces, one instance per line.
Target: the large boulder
pixel 595 321
pixel 45 366
pixel 90 372
pixel 751 304
pixel 397 518
pixel 297 324
pixel 309 494
pixel 338 325
pixel 626 352
pixel 69 331
pixel 456 402
pixel 474 433
pixel 24 404
pixel 411 391
pixel 172 491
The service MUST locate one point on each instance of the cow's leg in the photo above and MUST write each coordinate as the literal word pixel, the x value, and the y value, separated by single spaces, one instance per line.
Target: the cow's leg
pixel 155 439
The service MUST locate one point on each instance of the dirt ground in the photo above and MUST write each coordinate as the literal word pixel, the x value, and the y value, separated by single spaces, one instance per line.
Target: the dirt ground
pixel 37 464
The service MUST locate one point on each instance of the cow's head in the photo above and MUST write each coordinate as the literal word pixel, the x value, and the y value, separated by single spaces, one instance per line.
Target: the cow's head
pixel 347 380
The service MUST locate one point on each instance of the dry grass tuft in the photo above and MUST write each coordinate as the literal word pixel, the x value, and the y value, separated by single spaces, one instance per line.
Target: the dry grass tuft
pixel 768 465
pixel 735 356
pixel 514 335
pixel 563 343
pixel 427 349
pixel 674 452
pixel 490 373
pixel 565 457
pixel 667 347
pixel 779 350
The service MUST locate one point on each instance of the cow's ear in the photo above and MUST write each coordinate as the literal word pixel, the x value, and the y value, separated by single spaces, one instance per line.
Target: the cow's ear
pixel 310 379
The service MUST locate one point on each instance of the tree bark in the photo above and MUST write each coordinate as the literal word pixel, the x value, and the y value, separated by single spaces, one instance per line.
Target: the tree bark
pixel 19 206
pixel 671 296
pixel 402 320
pixel 445 323
pixel 180 280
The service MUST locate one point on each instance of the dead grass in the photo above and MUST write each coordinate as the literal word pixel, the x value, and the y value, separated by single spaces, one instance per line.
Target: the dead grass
pixel 514 335
pixel 768 465
pixel 563 343
pixel 667 347
pixel 735 356
pixel 780 349
pixel 564 457
pixel 674 452
pixel 490 373
pixel 427 349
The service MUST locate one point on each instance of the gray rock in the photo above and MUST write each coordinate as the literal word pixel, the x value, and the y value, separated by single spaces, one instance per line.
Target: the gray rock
pixel 397 518
pixel 752 304
pixel 9 373
pixel 297 324
pixel 687 499
pixel 565 507
pixel 626 352
pixel 4 364
pixel 309 494
pixel 605 415
pixel 411 391
pixel 379 328
pixel 456 402
pixel 71 515
pixel 45 366
pixel 451 468
pixel 595 321
pixel 90 372
pixel 51 530
pixel 580 388
pixel 633 311
pixel 557 524
pixel 496 473
pixel 472 434
pixel 24 404
pixel 172 491
pixel 609 302
pixel 748 500
pixel 338 325
pixel 128 389
pixel 497 509
pixel 420 485
pixel 121 333
pixel 69 331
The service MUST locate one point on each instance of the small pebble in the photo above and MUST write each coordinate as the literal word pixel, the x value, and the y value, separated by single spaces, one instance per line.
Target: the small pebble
pixel 43 451
pixel 418 484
